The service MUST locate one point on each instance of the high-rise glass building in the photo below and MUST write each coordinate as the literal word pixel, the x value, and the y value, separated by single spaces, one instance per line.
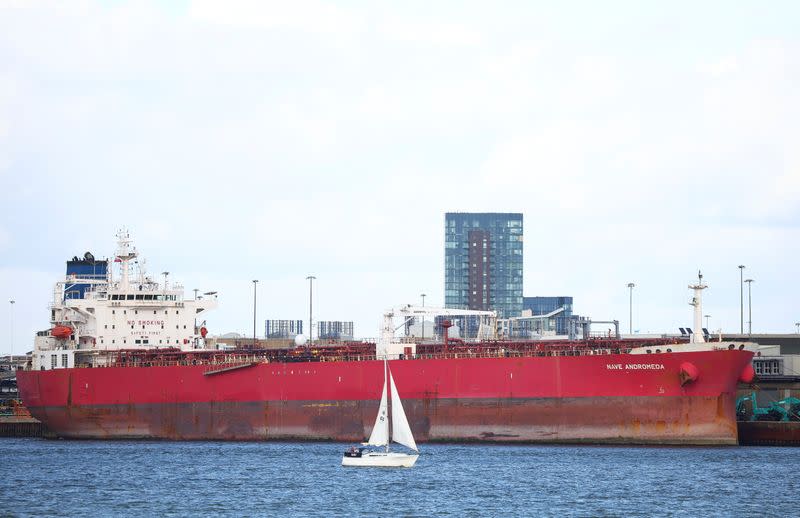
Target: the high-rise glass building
pixel 483 262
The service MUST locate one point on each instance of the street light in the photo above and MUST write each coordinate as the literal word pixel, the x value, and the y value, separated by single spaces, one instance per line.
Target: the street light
pixel 310 280
pixel 707 317
pixel 423 317
pixel 630 308
pixel 11 358
pixel 749 307
pixel 255 286
pixel 797 325
pixel 741 299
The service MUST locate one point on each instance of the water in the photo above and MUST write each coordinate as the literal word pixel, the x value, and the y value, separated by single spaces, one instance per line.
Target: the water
pixel 97 478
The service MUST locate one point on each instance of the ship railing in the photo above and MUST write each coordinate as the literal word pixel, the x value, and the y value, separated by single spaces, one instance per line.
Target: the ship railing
pixel 234 359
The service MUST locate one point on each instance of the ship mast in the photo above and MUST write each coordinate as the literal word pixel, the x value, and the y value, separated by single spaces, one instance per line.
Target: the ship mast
pixel 124 254
pixel 697 302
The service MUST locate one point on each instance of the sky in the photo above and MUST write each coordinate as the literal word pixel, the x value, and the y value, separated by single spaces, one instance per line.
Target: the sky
pixel 245 140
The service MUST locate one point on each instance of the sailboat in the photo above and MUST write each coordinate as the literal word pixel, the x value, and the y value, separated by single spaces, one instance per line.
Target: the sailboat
pixel 401 434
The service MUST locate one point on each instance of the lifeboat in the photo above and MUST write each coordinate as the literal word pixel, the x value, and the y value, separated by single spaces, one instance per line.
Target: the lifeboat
pixel 61 332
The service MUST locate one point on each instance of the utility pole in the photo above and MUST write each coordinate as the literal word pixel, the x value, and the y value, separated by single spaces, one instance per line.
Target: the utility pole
pixel 749 307
pixel 310 279
pixel 630 308
pixel 741 298
pixel 255 289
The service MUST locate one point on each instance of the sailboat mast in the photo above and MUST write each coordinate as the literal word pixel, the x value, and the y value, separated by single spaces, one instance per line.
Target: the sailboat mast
pixel 388 404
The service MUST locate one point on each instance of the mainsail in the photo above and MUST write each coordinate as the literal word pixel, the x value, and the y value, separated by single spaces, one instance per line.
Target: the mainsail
pixel 380 432
pixel 401 432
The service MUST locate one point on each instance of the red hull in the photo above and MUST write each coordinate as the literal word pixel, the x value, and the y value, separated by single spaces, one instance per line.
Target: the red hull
pixel 595 398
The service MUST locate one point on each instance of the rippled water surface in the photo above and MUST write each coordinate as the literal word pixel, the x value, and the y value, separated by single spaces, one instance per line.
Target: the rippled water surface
pixel 93 478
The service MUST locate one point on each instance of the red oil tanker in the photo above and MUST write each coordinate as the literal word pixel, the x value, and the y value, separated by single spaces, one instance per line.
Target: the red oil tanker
pixel 136 366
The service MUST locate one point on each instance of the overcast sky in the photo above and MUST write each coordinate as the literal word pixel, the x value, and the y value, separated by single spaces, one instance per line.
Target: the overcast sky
pixel 273 140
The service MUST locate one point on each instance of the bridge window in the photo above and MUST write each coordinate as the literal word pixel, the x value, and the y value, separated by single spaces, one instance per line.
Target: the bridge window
pixel 53 361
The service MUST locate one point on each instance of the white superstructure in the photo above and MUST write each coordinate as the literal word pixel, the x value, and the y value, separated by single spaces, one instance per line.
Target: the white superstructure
pixel 389 345
pixel 93 312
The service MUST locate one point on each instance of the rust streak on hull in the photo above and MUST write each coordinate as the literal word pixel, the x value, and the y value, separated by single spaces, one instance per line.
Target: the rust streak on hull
pixel 647 420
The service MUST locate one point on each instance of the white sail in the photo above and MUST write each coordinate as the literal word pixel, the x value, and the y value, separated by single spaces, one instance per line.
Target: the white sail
pixel 380 432
pixel 401 432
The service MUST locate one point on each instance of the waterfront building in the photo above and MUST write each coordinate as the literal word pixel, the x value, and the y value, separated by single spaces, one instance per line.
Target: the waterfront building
pixel 546 305
pixel 483 262
pixel 335 330
pixel 283 328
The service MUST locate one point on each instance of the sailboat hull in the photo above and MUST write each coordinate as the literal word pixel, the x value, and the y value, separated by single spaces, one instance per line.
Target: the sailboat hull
pixel 375 459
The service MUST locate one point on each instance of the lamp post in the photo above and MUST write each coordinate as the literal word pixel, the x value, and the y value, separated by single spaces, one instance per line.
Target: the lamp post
pixel 195 293
pixel 797 325
pixel 741 298
pixel 11 356
pixel 707 317
pixel 749 307
pixel 310 280
pixel 423 317
pixel 630 308
pixel 255 286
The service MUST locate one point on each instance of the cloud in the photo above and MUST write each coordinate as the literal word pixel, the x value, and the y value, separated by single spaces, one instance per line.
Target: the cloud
pixel 269 140
pixel 305 16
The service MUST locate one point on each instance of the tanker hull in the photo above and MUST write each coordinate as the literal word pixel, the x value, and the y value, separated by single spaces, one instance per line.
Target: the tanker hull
pixel 643 420
pixel 587 399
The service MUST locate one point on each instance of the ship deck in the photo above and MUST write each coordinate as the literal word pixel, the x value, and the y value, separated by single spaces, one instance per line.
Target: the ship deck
pixel 365 351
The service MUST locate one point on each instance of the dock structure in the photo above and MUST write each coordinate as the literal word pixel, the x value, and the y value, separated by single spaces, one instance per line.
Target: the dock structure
pixel 21 427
